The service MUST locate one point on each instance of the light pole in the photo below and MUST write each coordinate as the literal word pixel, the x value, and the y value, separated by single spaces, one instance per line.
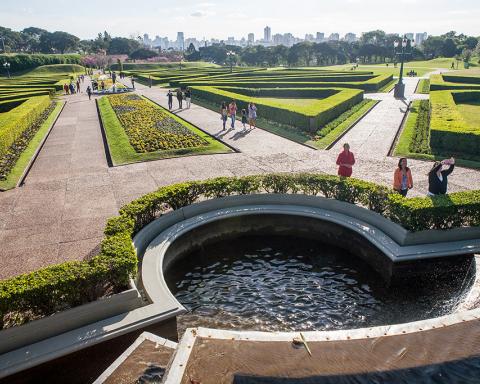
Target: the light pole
pixel 6 65
pixel 230 55
pixel 401 50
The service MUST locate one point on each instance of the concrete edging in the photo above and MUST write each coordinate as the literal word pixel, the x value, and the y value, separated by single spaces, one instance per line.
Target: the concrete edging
pixel 154 240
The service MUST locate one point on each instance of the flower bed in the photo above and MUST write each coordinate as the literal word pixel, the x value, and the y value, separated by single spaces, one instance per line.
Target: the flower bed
pixel 149 128
pixel 48 290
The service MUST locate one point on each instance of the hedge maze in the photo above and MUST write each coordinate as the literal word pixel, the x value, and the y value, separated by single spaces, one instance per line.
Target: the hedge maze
pixel 26 103
pixel 303 99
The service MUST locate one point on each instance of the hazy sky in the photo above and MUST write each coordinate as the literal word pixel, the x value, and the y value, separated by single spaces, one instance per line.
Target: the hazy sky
pixel 220 19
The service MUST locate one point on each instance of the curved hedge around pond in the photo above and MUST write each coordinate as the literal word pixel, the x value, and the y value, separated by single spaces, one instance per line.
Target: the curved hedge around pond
pixel 59 287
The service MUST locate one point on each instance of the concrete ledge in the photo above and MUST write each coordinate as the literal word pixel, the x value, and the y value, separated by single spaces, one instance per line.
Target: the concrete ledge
pixel 37 330
pixel 158 244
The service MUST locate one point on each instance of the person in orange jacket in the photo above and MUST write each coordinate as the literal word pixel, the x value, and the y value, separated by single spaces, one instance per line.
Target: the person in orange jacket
pixel 402 178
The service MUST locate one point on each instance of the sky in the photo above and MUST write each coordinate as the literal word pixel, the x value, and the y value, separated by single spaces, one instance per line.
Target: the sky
pixel 220 19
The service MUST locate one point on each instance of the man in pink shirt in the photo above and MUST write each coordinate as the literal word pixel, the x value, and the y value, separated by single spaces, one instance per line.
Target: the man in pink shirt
pixel 232 110
pixel 345 161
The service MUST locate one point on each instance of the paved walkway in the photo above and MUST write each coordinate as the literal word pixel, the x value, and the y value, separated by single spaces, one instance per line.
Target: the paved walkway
pixel 60 212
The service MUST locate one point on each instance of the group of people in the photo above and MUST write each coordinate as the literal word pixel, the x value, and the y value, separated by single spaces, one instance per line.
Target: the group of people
pixel 402 176
pixel 181 96
pixel 74 85
pixel 249 115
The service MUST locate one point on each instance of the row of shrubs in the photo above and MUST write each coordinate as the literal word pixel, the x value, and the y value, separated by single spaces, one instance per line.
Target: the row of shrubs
pixel 17 120
pixel 449 132
pixel 420 142
pixel 372 85
pixel 309 118
pixel 450 82
pixel 20 62
pixel 58 287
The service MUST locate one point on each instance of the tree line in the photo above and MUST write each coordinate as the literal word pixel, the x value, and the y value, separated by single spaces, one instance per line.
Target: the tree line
pixel 372 47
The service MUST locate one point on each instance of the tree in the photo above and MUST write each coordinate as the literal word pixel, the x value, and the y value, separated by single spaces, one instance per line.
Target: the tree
pixel 470 42
pixel 58 41
pixel 191 54
pixel 433 46
pixel 122 46
pixel 142 54
pixel 449 48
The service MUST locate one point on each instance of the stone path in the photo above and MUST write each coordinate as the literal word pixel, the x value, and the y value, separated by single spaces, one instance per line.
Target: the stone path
pixel 60 212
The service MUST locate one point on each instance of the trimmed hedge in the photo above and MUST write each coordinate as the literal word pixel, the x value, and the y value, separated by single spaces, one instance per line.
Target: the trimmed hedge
pixel 14 122
pixel 20 62
pixel 58 287
pixel 309 118
pixel 449 132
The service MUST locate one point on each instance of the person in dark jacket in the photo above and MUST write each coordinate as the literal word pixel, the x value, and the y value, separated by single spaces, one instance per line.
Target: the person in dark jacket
pixel 179 98
pixel 170 99
pixel 438 179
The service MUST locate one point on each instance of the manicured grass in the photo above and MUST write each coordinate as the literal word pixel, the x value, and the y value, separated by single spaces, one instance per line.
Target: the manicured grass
pixel 14 176
pixel 346 121
pixel 423 86
pixel 122 152
pixel 470 112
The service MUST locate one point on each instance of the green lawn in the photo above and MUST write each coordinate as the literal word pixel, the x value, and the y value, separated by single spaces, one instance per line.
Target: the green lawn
pixel 421 67
pixel 470 112
pixel 17 172
pixel 122 152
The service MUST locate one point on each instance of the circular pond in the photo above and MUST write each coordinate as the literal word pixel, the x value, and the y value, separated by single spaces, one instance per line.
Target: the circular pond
pixel 283 283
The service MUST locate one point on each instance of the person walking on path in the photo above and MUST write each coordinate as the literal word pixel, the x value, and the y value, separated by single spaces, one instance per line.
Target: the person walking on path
pixel 252 115
pixel 224 114
pixel 179 98
pixel 170 99
pixel 78 86
pixel 345 161
pixel 72 89
pixel 133 82
pixel 402 178
pixel 114 77
pixel 149 81
pixel 188 97
pixel 438 179
pixel 65 88
pixel 244 120
pixel 232 110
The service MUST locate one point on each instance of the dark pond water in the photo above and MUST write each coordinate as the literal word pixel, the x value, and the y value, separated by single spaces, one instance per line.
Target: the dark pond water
pixel 283 284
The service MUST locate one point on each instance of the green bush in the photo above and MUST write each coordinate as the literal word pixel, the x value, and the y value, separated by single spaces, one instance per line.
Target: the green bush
pixel 309 118
pixel 17 120
pixel 420 142
pixel 58 287
pixel 449 132
pixel 21 62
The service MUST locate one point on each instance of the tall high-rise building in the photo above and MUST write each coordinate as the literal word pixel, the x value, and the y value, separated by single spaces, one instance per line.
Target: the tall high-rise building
pixel 180 41
pixel 320 37
pixel 251 38
pixel 420 38
pixel 334 37
pixel 267 34
pixel 350 37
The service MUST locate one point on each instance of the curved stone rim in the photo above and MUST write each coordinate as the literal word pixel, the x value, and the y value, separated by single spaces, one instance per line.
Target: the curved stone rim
pixel 154 240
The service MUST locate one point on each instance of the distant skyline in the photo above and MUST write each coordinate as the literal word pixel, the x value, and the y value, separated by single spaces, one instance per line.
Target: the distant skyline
pixel 221 19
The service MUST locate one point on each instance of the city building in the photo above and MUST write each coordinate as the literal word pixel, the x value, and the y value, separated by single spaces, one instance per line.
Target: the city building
pixel 409 36
pixel 180 41
pixel 350 37
pixel 251 39
pixel 309 37
pixel 320 37
pixel 267 34
pixel 334 37
pixel 420 38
